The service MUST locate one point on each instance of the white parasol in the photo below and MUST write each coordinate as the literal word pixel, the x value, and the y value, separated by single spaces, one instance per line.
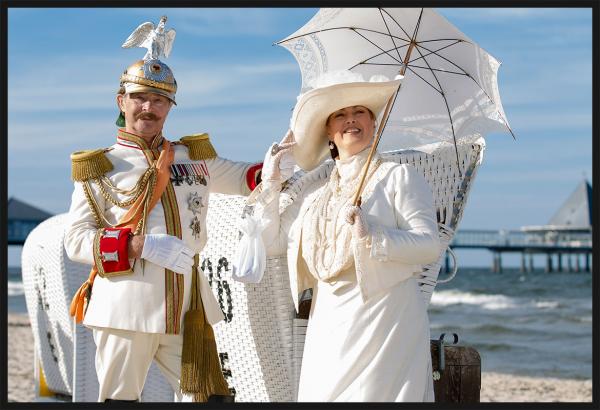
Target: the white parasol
pixel 450 89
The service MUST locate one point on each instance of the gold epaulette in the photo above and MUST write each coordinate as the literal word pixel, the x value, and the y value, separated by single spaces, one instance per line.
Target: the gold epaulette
pixel 89 164
pixel 199 146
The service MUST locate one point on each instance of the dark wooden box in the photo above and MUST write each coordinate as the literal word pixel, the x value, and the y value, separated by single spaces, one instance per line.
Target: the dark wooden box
pixel 460 380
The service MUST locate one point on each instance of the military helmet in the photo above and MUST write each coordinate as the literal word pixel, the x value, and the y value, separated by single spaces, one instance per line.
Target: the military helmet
pixel 149 76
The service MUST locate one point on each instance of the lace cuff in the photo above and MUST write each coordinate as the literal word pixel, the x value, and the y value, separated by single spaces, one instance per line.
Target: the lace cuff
pixel 268 193
pixel 378 244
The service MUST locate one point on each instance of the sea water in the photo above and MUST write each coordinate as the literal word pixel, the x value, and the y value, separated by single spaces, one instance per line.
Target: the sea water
pixel 16 294
pixel 536 324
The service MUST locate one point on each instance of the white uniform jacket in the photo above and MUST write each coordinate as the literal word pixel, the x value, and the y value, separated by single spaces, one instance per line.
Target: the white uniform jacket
pixel 151 299
pixel 398 205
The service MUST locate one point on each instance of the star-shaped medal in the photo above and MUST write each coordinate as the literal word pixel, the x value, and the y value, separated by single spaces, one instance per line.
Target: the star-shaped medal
pixel 195 203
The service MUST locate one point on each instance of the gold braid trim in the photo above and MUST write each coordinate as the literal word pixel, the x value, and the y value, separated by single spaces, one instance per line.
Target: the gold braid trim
pixel 89 164
pixel 199 146
pixel 101 221
pixel 97 256
pixel 141 226
pixel 134 192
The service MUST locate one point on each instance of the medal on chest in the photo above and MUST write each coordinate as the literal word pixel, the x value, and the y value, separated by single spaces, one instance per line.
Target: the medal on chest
pixel 195 205
pixel 189 174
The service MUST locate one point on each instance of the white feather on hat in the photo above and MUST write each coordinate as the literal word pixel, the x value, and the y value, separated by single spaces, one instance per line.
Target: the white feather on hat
pixel 331 92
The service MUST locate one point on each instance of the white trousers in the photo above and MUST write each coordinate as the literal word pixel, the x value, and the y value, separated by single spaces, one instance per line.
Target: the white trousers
pixel 123 358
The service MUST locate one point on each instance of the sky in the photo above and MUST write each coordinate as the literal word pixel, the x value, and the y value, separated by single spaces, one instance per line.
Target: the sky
pixel 64 66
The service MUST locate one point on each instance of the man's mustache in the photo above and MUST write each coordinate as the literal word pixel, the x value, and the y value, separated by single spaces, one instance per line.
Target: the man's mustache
pixel 146 116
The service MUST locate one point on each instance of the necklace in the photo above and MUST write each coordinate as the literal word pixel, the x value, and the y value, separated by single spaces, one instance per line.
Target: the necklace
pixel 331 243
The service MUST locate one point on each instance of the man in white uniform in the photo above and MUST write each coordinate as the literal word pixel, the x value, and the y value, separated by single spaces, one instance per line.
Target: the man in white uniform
pixel 142 288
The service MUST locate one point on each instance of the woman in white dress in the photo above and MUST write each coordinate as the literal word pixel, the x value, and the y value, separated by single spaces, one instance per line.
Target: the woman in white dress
pixel 368 331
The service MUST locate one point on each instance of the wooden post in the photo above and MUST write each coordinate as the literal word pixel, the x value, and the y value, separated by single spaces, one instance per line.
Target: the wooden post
pixel 523 265
pixel 499 262
pixel 548 262
pixel 559 260
pixel 587 262
pixel 531 267
pixel 570 263
pixel 577 267
pixel 496 263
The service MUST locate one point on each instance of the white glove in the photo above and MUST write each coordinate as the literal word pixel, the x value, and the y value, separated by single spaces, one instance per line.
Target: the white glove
pixel 355 217
pixel 279 163
pixel 169 252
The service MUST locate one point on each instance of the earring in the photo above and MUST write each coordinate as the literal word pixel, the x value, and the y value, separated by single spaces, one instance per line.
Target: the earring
pixel 331 145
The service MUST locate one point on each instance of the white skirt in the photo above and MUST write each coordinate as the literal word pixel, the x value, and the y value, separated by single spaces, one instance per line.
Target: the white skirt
pixel 366 352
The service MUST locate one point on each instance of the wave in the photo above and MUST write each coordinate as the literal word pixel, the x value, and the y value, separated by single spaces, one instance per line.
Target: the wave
pixel 546 304
pixel 442 298
pixel 15 288
pixel 485 301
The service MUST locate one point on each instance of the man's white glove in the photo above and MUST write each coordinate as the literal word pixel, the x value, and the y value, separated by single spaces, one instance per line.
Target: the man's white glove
pixel 278 165
pixel 355 217
pixel 169 252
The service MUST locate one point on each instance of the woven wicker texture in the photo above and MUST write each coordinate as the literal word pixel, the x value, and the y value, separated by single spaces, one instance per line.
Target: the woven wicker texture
pixel 47 289
pixel 255 340
pixel 66 352
pixel 261 337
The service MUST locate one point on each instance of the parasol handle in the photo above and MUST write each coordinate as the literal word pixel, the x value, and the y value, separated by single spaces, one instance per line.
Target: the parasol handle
pixel 386 114
pixel 388 109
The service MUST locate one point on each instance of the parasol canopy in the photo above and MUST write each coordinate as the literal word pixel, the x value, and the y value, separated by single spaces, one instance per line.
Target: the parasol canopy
pixel 449 92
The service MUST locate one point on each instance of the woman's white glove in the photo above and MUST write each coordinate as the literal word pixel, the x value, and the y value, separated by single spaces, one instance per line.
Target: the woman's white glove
pixel 355 217
pixel 278 165
pixel 169 252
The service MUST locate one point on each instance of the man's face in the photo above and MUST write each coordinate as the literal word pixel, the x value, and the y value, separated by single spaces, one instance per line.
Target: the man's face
pixel 145 113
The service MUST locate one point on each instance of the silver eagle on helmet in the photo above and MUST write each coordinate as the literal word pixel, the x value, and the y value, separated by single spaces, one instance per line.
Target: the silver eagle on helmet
pixel 156 40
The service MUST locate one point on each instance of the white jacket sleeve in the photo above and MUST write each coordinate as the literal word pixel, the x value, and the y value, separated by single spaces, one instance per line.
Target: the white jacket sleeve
pixel 81 226
pixel 415 240
pixel 229 177
pixel 273 236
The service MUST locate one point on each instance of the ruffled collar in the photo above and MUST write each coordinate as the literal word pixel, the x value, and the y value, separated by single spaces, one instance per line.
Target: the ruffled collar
pixel 349 169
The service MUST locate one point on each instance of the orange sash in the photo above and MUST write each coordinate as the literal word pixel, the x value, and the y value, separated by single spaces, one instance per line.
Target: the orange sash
pixel 130 219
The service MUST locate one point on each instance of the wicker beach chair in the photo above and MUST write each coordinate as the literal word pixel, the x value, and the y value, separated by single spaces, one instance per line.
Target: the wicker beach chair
pixel 64 353
pixel 262 338
pixel 261 341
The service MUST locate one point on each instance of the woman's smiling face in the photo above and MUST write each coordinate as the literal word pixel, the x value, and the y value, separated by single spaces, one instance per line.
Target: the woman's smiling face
pixel 351 129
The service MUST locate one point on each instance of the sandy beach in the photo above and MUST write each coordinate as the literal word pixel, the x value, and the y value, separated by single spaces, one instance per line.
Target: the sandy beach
pixel 495 387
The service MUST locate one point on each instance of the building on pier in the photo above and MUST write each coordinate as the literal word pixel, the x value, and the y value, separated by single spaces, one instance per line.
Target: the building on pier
pixel 566 240
pixel 22 218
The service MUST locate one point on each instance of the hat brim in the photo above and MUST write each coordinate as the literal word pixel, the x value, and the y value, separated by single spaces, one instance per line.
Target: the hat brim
pixel 140 88
pixel 314 107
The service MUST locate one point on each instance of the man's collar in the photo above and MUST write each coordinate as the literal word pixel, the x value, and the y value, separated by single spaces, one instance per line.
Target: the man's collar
pixel 135 141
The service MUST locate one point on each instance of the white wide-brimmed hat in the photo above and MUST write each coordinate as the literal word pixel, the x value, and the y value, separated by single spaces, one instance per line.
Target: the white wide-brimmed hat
pixel 331 92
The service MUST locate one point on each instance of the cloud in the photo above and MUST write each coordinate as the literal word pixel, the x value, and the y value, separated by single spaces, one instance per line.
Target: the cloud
pixel 221 22
pixel 534 119
pixel 502 15
pixel 69 88
pixel 565 174
pixel 538 83
pixel 268 68
pixel 59 133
